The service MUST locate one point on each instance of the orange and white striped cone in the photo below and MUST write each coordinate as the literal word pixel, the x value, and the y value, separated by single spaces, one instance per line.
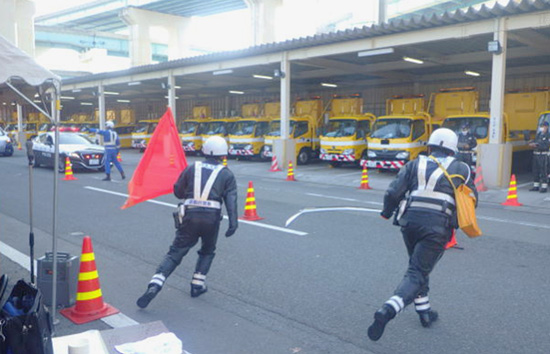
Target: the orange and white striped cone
pixel 364 179
pixel 224 161
pixel 452 242
pixel 89 301
pixel 19 145
pixel 274 164
pixel 250 205
pixel 512 198
pixel 69 171
pixel 118 157
pixel 478 181
pixel 290 172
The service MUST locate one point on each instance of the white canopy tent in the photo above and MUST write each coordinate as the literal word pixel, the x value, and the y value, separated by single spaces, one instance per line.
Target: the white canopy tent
pixel 21 76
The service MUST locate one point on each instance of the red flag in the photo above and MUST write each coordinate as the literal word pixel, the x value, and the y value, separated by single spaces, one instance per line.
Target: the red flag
pixel 160 166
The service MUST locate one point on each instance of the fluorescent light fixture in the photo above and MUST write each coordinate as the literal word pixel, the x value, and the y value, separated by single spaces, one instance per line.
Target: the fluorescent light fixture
pixel 236 92
pixel 263 77
pixel 66 97
pixel 177 98
pixel 472 73
pixel 4 103
pixel 113 93
pixel 123 101
pixel 326 84
pixel 77 90
pixel 413 60
pixel 370 53
pixel 134 83
pixel 36 95
pixel 177 87
pixel 35 101
pixel 86 104
pixel 222 72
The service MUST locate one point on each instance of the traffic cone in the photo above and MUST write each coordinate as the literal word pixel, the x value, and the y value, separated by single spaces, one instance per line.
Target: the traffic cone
pixel 452 242
pixel 478 181
pixel 365 179
pixel 225 161
pixel 69 171
pixel 274 165
pixel 250 205
pixel 512 198
pixel 118 157
pixel 19 145
pixel 89 301
pixel 290 173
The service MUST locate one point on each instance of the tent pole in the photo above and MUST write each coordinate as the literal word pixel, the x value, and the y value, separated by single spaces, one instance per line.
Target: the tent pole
pixel 55 114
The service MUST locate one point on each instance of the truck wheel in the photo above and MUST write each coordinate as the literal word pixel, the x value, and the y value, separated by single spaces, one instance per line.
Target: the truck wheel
pixel 262 155
pixel 303 156
pixel 142 150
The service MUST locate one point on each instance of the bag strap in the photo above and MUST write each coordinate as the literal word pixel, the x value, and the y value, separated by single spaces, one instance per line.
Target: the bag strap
pixel 449 177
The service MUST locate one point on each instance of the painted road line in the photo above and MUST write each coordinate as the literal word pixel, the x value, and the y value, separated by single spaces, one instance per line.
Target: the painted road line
pixel 115 321
pixel 529 224
pixel 345 199
pixel 254 223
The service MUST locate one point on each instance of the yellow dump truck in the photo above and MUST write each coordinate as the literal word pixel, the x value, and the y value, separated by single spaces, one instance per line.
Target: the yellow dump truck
pixel 344 139
pixel 143 133
pixel 399 136
pixel 218 127
pixel 304 128
pixel 247 135
pixel 190 129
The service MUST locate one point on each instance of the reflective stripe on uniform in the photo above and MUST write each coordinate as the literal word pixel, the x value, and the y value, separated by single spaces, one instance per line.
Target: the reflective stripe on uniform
pixel 200 198
pixel 428 205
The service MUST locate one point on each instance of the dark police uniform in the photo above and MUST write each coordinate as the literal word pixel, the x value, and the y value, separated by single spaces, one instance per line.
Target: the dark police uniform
pixel 540 161
pixel 466 154
pixel 204 187
pixel 426 213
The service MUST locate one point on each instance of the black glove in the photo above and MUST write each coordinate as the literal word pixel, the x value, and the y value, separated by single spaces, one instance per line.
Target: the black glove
pixel 386 215
pixel 230 231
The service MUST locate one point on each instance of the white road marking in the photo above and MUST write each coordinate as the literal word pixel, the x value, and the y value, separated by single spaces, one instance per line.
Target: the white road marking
pixel 522 185
pixel 254 223
pixel 115 321
pixel 529 224
pixel 346 199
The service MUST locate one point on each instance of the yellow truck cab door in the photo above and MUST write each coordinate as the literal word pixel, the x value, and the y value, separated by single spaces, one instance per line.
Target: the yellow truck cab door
pixel 419 137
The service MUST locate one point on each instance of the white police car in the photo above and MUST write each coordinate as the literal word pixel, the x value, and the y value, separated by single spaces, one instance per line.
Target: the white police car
pixel 6 144
pixel 81 151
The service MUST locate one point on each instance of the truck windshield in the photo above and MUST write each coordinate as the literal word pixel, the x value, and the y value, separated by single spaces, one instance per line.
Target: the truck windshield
pixel 214 128
pixel 391 128
pixel 479 126
pixel 45 126
pixel 275 128
pixel 340 128
pixel 141 128
pixel 188 127
pixel 245 127
pixel 11 127
pixel 544 118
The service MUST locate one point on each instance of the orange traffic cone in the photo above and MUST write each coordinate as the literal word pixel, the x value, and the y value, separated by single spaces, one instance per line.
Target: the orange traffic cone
pixel 512 198
pixel 69 171
pixel 452 242
pixel 19 145
pixel 290 173
pixel 225 161
pixel 274 165
pixel 478 181
pixel 364 179
pixel 118 157
pixel 250 205
pixel 89 301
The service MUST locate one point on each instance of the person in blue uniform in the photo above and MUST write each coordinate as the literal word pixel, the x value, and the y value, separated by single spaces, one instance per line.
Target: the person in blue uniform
pixel 112 145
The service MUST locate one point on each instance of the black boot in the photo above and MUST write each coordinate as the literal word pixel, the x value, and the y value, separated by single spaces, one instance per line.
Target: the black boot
pixel 107 177
pixel 150 293
pixel 381 318
pixel 428 317
pixel 198 287
pixel 122 175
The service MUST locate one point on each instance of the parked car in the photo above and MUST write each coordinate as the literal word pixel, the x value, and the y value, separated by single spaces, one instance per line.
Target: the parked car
pixel 80 150
pixel 6 145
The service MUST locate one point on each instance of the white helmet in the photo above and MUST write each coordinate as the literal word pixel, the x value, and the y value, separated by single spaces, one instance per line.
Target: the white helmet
pixel 444 138
pixel 110 124
pixel 215 146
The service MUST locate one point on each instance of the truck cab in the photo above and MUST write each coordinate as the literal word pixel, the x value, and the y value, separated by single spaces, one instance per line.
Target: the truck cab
pixel 218 127
pixel 247 137
pixel 190 133
pixel 344 139
pixel 143 133
pixel 397 139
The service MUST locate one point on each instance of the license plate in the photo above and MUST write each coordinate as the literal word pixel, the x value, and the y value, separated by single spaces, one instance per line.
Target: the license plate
pixel 93 161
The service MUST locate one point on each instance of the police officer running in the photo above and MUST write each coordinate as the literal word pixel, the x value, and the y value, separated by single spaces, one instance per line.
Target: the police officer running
pixel 112 145
pixel 427 216
pixel 203 186
pixel 541 144
pixel 466 144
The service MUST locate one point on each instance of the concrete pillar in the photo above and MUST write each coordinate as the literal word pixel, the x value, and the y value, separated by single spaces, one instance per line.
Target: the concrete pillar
pixel 140 22
pixel 495 158
pixel 263 17
pixel 101 109
pixel 382 11
pixel 172 95
pixel 285 148
pixel 25 10
pixel 8 28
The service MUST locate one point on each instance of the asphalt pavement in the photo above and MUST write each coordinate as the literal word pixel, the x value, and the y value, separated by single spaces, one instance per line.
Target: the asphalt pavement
pixel 312 288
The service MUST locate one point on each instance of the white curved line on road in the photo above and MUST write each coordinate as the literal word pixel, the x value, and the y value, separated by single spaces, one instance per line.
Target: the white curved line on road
pixel 254 223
